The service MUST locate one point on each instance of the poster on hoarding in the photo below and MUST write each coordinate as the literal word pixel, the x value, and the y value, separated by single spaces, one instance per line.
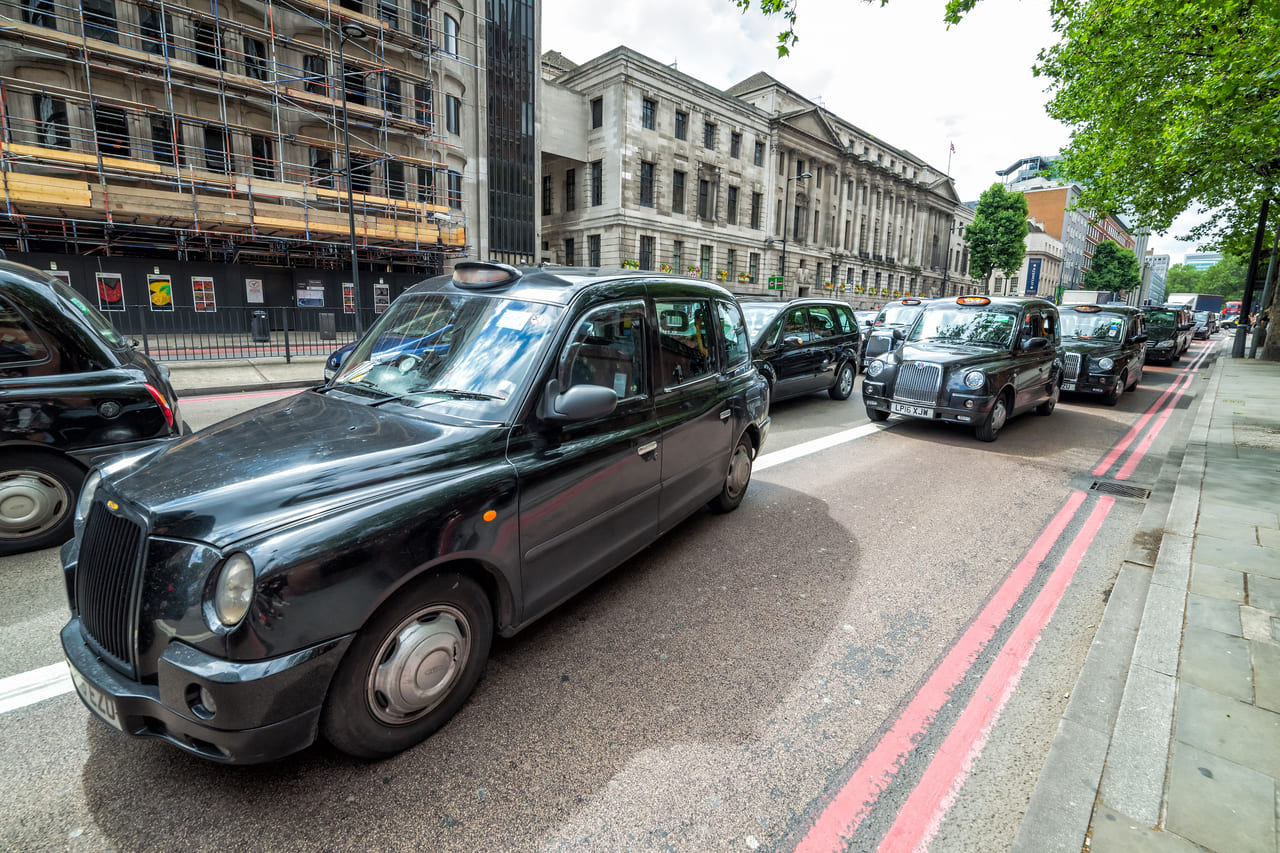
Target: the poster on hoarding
pixel 348 298
pixel 110 291
pixel 160 292
pixel 202 294
pixel 381 297
pixel 311 295
pixel 253 291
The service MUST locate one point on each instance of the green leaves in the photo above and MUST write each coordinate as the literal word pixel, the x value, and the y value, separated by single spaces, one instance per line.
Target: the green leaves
pixel 997 236
pixel 1113 268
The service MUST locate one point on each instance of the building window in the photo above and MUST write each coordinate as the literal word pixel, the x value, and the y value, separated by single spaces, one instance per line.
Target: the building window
pixel 255 59
pixel 704 199
pixel 215 149
pixel 756 204
pixel 570 252
pixel 39 13
pixel 450 35
pixel 389 11
pixel 427 184
pixel 682 125
pixel 677 251
pixel 647 108
pixel 570 189
pixel 732 207
pixel 322 167
pixel 112 131
pixel 597 183
pixel 593 250
pixel 157 31
pixel 735 145
pixel 52 130
pixel 361 173
pixel 452 107
pixel 422 108
pixel 646 184
pixel 207 47
pixel 420 20
pixel 353 80
pixel 730 263
pixel 162 140
pixel 391 95
pixel 677 191
pixel 646 253
pixel 315 74
pixel 264 161
pixel 708 135
pixel 546 195
pixel 753 267
pixel 395 179
pixel 759 158
pixel 597 112
pixel 705 262
pixel 100 20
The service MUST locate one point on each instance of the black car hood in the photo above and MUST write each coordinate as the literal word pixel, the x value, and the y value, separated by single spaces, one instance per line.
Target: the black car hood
pixel 289 460
pixel 950 354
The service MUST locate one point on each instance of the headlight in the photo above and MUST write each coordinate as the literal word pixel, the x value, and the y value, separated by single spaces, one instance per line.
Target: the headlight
pixel 974 379
pixel 86 495
pixel 875 368
pixel 1105 363
pixel 234 590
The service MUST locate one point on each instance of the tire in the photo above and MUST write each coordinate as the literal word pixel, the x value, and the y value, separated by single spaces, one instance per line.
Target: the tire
pixel 38 493
pixel 1046 408
pixel 877 415
pixel 1113 396
pixel 737 478
pixel 995 420
pixel 441 622
pixel 845 377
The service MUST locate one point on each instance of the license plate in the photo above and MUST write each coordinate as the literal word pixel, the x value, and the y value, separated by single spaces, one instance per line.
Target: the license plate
pixel 101 704
pixel 1068 386
pixel 913 411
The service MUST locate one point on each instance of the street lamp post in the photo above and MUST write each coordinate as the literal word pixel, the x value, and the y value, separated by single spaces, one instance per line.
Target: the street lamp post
pixel 786 212
pixel 946 258
pixel 350 31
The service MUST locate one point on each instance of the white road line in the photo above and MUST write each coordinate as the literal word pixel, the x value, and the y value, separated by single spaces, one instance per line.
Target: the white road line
pixel 27 688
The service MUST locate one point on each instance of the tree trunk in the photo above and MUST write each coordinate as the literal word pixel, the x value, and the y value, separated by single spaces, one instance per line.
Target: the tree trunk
pixel 1270 350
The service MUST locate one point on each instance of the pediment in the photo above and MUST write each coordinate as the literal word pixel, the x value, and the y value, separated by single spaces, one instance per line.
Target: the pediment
pixel 813 123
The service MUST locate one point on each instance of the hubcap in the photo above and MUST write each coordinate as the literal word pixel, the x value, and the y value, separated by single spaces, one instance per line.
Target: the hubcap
pixel 31 503
pixel 998 415
pixel 418 664
pixel 846 381
pixel 739 471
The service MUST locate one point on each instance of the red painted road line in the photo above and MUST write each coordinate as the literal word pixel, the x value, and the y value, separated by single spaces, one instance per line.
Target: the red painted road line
pixel 841 817
pixel 1143 446
pixel 920 818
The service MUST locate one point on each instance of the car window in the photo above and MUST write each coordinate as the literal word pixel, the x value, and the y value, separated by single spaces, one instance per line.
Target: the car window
pixel 685 338
pixel 1098 326
pixel 966 326
pixel 795 324
pixel 19 341
pixel 96 320
pixel 758 318
pixel 845 318
pixel 737 346
pixel 821 321
pixel 1032 327
pixel 608 350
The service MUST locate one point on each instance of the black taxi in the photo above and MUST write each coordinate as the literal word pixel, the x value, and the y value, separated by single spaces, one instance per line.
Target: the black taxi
pixel 1104 347
pixel 974 360
pixel 73 391
pixel 337 563
pixel 890 327
pixel 804 345
pixel 1169 331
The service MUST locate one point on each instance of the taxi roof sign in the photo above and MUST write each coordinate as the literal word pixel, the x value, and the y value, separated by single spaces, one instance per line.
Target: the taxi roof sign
pixel 972 300
pixel 1088 309
pixel 911 301
pixel 478 275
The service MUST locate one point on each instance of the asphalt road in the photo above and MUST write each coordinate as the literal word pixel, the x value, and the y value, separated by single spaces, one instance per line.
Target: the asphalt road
pixel 734 687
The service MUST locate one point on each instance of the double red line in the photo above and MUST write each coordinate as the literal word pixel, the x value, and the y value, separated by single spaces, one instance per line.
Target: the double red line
pixel 921 815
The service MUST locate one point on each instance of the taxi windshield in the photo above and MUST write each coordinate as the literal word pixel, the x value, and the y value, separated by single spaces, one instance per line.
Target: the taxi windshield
pixel 1162 319
pixel 987 325
pixel 758 317
pixel 457 354
pixel 898 314
pixel 1099 326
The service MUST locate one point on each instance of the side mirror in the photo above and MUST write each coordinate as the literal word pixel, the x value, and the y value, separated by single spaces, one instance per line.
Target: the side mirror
pixel 792 341
pixel 1139 339
pixel 899 334
pixel 1186 327
pixel 1034 344
pixel 579 403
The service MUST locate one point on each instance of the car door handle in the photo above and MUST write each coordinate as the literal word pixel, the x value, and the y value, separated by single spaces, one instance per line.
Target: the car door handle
pixel 646 449
pixel 724 416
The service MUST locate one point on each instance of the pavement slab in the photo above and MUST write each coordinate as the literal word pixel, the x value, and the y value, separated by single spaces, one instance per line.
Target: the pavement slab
pixel 1216 582
pixel 1214 613
pixel 1134 778
pixel 1219 804
pixel 1217 661
pixel 1224 726
pixel 1115 832
pixel 1240 556
pixel 1264 593
pixel 1266 675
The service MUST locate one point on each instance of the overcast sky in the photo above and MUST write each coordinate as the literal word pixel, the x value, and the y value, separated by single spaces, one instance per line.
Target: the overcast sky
pixel 895 71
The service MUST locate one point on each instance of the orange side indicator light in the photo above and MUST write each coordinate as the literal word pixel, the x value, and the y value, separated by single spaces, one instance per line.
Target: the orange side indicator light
pixel 490 515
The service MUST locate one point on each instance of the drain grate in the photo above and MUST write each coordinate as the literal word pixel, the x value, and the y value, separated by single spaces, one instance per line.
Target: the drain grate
pixel 1124 490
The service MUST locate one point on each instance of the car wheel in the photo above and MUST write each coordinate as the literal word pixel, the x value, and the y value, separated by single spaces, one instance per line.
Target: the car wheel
pixel 410 668
pixel 845 378
pixel 37 501
pixel 1113 396
pixel 995 420
pixel 737 478
pixel 1046 408
pixel 877 415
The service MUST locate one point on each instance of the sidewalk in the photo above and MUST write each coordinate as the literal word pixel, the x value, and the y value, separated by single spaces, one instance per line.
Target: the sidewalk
pixel 233 376
pixel 1171 740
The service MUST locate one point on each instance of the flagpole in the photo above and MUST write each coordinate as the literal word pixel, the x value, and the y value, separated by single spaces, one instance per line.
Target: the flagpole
pixel 949 153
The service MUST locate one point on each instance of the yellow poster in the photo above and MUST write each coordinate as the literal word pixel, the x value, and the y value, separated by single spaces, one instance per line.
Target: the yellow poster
pixel 160 292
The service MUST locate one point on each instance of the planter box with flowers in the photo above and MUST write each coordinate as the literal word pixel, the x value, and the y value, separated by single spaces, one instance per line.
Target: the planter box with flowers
pixel 744 277
pixel 666 268
pixel 694 271
pixel 629 264
pixel 722 275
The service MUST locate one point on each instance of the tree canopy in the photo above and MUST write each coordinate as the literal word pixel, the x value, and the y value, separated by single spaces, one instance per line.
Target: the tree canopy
pixel 1225 278
pixel 997 236
pixel 1113 268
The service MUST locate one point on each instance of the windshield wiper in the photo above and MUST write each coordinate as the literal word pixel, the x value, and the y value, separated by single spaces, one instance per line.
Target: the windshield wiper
pixel 459 394
pixel 360 383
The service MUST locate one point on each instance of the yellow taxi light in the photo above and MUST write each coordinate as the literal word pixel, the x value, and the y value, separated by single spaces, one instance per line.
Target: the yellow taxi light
pixel 1088 309
pixel 477 274
pixel 911 302
pixel 972 300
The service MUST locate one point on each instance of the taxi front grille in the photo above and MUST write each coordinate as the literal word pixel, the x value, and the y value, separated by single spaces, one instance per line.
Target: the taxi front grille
pixel 918 382
pixel 108 574
pixel 1073 366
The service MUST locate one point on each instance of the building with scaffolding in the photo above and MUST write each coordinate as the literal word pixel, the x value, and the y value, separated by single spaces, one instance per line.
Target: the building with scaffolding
pixel 255 148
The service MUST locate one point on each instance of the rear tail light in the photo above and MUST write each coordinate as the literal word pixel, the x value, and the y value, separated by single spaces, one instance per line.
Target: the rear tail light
pixel 162 403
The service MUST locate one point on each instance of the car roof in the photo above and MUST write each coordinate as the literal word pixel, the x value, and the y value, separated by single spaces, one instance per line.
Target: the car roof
pixel 762 299
pixel 559 284
pixel 998 301
pixel 1114 309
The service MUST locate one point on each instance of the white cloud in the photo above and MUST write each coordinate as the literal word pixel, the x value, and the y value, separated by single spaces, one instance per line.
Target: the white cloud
pixel 895 71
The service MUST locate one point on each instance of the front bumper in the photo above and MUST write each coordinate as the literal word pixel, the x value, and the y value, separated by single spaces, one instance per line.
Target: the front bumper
pixel 263 710
pixel 1162 354
pixel 1097 383
pixel 968 409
